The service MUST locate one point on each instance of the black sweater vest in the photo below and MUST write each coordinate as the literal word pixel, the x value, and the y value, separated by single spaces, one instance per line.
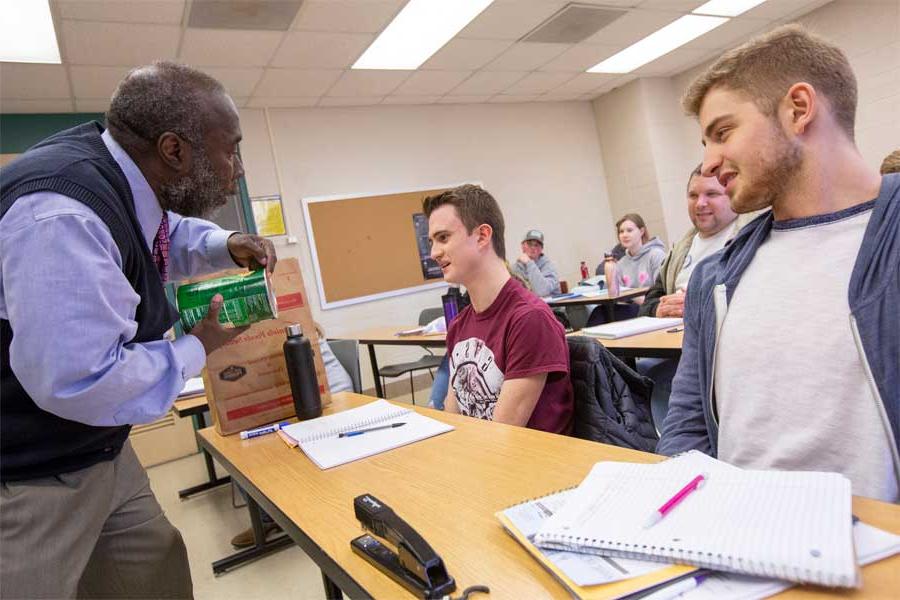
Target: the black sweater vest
pixel 75 163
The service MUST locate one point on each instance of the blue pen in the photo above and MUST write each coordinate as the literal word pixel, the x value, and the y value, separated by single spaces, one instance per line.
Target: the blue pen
pixel 347 434
pixel 676 589
pixel 252 433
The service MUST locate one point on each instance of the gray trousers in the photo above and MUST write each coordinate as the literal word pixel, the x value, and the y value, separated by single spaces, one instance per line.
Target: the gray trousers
pixel 94 533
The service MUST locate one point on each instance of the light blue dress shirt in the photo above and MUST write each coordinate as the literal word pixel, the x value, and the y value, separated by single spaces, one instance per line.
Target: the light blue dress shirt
pixel 72 309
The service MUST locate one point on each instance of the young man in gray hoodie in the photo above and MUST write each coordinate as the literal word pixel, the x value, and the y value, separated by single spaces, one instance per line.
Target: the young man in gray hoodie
pixel 792 332
pixel 534 266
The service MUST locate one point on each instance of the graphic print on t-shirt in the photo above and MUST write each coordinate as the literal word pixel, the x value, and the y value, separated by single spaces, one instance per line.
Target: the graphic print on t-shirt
pixel 475 377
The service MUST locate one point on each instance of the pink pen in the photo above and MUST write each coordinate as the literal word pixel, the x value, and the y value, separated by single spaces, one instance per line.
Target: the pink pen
pixel 675 500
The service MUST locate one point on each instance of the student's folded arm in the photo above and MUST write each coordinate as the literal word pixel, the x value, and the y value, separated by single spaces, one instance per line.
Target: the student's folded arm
pixel 450 404
pixel 518 397
pixel 539 283
pixel 685 425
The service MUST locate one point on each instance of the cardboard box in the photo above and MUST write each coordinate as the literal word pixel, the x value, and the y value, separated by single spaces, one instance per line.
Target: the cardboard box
pixel 246 380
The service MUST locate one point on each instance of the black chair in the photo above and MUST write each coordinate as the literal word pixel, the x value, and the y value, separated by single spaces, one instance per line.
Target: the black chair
pixel 428 361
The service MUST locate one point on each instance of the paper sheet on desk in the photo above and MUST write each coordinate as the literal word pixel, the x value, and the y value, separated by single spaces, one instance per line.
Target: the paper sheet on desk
pixel 872 545
pixel 583 569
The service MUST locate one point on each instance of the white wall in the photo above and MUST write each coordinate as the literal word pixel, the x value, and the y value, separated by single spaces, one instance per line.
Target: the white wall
pixel 649 146
pixel 540 160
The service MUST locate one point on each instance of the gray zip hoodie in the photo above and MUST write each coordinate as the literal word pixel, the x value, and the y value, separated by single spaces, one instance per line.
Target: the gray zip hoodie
pixel 641 270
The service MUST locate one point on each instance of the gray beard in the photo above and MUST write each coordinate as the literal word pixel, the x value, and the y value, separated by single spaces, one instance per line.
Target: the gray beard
pixel 197 194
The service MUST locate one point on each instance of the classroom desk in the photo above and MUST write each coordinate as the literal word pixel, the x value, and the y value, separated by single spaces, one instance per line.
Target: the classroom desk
pixel 448 488
pixel 386 336
pixel 655 344
pixel 197 407
pixel 607 302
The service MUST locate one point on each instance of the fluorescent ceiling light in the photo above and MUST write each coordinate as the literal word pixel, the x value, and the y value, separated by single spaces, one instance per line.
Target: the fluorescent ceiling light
pixel 26 32
pixel 418 31
pixel 656 44
pixel 726 8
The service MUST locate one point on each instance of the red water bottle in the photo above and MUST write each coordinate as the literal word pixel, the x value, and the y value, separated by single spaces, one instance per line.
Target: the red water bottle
pixel 584 270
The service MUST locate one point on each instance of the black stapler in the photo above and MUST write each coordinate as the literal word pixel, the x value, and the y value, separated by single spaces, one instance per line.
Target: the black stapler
pixel 415 565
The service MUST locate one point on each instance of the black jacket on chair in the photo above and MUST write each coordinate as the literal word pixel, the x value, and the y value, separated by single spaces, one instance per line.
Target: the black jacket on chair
pixel 612 401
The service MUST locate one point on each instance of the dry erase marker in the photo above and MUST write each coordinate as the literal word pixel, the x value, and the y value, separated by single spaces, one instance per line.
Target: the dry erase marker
pixel 252 433
pixel 675 500
pixel 362 431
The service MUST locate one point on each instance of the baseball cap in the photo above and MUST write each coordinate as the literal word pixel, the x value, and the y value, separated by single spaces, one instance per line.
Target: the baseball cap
pixel 534 234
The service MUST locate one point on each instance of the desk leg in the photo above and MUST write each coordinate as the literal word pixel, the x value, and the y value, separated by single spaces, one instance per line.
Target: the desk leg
pixel 260 549
pixel 213 480
pixel 332 591
pixel 610 308
pixel 379 392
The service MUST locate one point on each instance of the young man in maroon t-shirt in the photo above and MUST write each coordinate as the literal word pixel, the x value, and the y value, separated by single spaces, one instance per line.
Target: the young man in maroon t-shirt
pixel 509 361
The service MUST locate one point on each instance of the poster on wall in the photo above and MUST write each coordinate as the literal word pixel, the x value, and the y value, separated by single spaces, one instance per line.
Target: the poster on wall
pixel 430 268
pixel 268 215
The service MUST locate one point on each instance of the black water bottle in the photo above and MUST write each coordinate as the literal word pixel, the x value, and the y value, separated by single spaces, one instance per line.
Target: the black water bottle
pixel 298 355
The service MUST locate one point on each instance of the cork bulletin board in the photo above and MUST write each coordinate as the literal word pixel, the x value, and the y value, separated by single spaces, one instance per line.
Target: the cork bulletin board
pixel 364 246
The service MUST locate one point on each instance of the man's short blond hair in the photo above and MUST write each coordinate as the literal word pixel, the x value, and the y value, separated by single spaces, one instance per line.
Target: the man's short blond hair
pixel 765 68
pixel 891 163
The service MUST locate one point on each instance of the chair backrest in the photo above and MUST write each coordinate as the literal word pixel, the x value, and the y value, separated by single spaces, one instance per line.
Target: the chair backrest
pixel 430 314
pixel 612 401
pixel 347 353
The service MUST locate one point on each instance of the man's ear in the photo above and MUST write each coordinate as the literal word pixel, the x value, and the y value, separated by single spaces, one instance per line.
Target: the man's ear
pixel 175 152
pixel 799 107
pixel 485 232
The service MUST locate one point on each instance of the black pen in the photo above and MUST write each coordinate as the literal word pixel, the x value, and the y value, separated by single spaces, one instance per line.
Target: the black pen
pixel 675 330
pixel 362 431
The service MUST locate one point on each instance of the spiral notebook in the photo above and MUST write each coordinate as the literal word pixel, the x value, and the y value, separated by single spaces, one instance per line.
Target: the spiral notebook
pixel 321 440
pixel 585 576
pixel 629 327
pixel 795 526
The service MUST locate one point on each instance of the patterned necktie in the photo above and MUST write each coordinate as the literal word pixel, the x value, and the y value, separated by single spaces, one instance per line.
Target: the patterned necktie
pixel 161 248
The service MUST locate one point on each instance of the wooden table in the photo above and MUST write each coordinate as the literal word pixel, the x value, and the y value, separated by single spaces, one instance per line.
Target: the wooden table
pixel 387 336
pixel 448 488
pixel 655 344
pixel 606 301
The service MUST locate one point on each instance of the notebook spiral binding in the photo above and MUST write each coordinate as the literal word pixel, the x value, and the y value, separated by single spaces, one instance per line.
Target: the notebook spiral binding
pixel 397 412
pixel 709 560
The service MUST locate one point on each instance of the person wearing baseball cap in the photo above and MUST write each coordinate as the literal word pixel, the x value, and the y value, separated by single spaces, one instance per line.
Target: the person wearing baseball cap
pixel 534 266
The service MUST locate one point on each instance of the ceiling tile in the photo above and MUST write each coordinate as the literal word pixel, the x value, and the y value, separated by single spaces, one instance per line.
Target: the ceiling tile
pixel 585 82
pixel 169 12
pixel 411 99
pixel 238 82
pixel 674 62
pixel 464 99
pixel 466 54
pixel 509 20
pixel 728 34
pixel 351 101
pixel 501 98
pixel 675 5
pixel 91 104
pixel 281 102
pixel 526 56
pixel 346 15
pixel 488 83
pixel 425 83
pixel 90 43
pixel 96 82
pixel 580 58
pixel 538 83
pixel 24 81
pixel 229 47
pixel 368 83
pixel 316 50
pixel 296 82
pixel 631 27
pixel 772 11
pixel 559 98
pixel 35 106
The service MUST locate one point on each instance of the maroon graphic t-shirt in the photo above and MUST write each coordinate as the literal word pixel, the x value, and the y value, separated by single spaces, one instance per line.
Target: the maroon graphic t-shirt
pixel 515 337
